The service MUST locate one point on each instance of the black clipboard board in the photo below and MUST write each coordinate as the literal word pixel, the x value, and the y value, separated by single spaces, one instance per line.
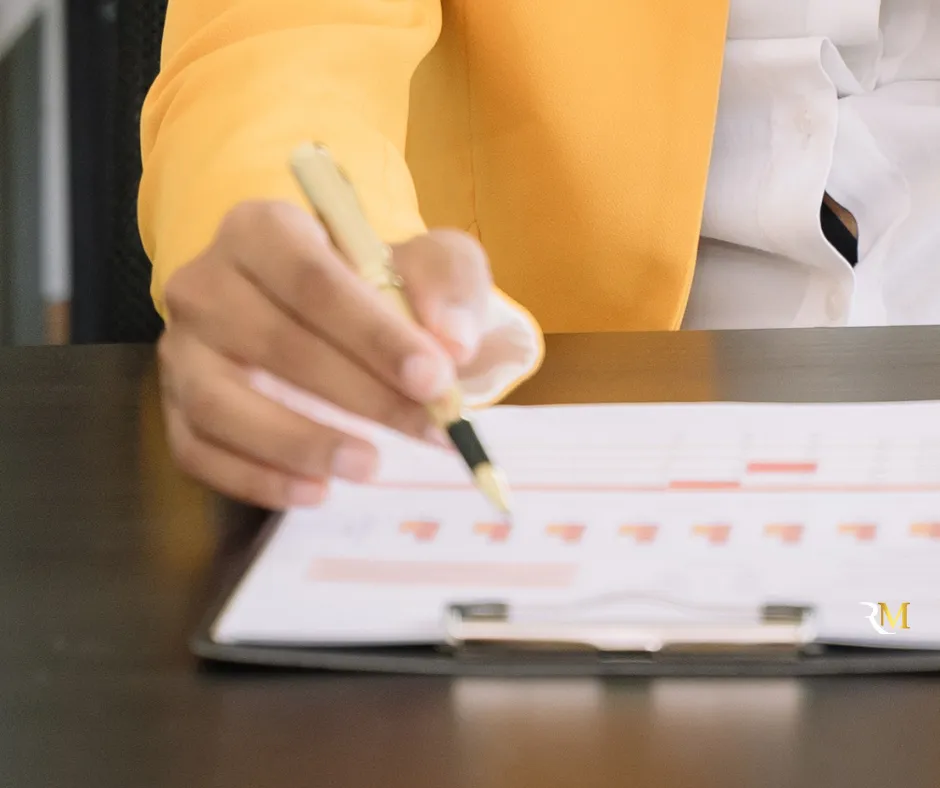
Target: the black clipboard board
pixel 231 565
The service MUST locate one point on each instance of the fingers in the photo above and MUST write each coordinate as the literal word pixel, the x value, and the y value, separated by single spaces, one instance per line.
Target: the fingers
pixel 237 477
pixel 243 444
pixel 242 324
pixel 448 281
pixel 272 294
pixel 221 409
pixel 281 249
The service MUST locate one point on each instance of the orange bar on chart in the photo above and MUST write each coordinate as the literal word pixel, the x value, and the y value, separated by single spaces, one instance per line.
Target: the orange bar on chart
pixel 421 530
pixel 926 530
pixel 781 467
pixel 641 534
pixel 785 532
pixel 494 532
pixel 569 534
pixel 863 532
pixel 713 534
pixel 704 485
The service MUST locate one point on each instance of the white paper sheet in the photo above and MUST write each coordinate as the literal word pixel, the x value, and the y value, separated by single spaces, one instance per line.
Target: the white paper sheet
pixel 715 505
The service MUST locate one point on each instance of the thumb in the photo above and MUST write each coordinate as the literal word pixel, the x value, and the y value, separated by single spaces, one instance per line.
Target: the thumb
pixel 447 280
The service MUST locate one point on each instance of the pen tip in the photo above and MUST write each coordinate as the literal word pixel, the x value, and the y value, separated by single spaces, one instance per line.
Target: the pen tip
pixel 492 483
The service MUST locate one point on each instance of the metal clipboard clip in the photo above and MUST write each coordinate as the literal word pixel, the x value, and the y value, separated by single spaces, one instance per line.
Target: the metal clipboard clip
pixel 782 630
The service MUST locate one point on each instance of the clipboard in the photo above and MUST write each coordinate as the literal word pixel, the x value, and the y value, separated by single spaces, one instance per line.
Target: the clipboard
pixel 483 640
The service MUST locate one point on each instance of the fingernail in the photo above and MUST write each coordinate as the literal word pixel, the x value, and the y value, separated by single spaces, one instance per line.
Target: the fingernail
pixel 426 377
pixel 354 463
pixel 307 494
pixel 460 326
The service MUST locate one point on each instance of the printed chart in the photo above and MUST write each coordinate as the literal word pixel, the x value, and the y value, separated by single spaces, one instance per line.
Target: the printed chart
pixel 724 506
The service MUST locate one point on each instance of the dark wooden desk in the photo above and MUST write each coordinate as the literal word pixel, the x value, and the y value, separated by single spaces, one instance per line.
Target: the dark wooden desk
pixel 104 552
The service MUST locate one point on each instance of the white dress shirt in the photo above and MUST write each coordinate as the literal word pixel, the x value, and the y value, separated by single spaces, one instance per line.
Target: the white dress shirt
pixel 837 97
pixel 824 96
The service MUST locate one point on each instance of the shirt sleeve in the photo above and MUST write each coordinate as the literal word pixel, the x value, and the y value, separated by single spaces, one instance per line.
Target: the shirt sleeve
pixel 243 83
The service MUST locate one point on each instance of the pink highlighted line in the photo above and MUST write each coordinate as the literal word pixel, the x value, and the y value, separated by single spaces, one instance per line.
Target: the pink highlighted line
pixel 444 573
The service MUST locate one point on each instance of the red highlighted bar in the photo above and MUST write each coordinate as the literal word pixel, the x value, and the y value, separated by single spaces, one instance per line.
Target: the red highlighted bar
pixel 785 532
pixel 569 534
pixel 704 484
pixel 494 532
pixel 926 530
pixel 863 532
pixel 713 534
pixel 641 534
pixel 782 467
pixel 421 530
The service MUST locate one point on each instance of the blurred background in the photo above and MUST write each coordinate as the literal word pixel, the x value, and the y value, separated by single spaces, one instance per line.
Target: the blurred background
pixel 73 74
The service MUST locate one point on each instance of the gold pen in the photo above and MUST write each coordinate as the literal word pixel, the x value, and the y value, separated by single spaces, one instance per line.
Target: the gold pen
pixel 333 198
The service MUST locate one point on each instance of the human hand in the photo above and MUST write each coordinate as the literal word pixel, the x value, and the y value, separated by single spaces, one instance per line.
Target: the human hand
pixel 271 293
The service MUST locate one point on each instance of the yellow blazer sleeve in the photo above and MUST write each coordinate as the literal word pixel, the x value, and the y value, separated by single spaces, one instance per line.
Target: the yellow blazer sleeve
pixel 242 82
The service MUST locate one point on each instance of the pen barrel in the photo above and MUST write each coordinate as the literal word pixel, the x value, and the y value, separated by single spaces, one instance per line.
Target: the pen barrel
pixel 448 410
pixel 333 198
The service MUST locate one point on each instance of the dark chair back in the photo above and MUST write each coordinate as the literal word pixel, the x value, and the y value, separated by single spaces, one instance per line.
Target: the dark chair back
pixel 140 32
pixel 115 56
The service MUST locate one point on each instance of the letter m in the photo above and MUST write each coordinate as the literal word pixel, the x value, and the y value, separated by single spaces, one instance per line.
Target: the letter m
pixel 885 614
